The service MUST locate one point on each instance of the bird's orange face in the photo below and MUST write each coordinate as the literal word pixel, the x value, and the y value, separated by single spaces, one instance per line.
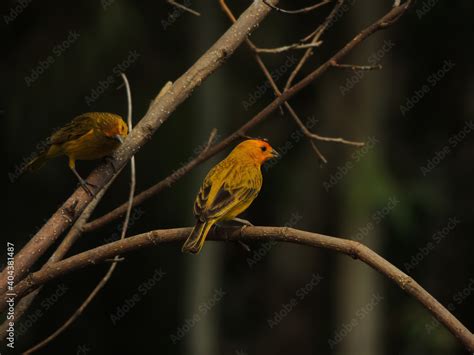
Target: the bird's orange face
pixel 258 150
pixel 117 130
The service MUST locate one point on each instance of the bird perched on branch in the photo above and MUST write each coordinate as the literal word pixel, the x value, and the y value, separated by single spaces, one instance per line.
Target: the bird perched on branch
pixel 89 136
pixel 228 189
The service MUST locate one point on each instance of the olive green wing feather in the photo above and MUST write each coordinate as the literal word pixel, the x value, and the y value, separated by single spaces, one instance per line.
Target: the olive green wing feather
pixel 75 129
pixel 227 197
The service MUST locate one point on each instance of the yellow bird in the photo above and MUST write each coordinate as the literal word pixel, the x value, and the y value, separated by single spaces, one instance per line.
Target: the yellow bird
pixel 89 136
pixel 228 189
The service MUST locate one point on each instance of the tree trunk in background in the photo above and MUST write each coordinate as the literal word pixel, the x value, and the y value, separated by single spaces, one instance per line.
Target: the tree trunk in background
pixel 363 191
pixel 203 274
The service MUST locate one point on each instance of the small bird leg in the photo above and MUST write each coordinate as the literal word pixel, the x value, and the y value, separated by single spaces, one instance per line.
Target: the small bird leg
pixel 110 160
pixel 84 183
pixel 245 224
pixel 243 221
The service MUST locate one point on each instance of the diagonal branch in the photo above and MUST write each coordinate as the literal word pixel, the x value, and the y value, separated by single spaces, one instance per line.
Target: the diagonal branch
pixel 315 36
pixel 262 115
pixel 299 11
pixel 351 248
pixel 143 132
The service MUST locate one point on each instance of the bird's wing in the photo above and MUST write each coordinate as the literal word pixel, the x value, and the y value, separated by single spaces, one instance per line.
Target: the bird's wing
pixel 75 129
pixel 227 197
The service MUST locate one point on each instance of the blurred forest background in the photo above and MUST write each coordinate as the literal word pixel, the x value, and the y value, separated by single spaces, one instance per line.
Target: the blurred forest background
pixel 408 194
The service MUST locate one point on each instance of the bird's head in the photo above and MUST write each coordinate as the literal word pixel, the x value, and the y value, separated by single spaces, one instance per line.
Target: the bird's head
pixel 115 128
pixel 257 149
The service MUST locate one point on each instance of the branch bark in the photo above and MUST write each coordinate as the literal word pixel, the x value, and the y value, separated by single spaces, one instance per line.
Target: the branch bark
pixel 351 248
pixel 158 113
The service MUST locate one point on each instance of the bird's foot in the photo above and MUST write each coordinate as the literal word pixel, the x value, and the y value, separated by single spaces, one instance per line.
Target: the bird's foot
pixel 243 221
pixel 110 160
pixel 85 185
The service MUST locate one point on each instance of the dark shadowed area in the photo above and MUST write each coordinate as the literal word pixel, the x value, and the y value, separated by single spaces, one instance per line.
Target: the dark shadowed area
pixel 407 194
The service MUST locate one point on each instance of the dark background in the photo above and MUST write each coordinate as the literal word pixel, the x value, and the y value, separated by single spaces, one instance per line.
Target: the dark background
pixel 387 199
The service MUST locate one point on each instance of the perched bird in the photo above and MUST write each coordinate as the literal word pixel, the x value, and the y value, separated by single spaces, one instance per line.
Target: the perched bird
pixel 228 189
pixel 89 136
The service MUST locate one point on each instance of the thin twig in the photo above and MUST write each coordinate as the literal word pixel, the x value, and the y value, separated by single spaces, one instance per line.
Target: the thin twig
pixel 305 130
pixel 117 258
pixel 288 47
pixel 357 67
pixel 184 8
pixel 354 249
pixel 316 35
pixel 299 11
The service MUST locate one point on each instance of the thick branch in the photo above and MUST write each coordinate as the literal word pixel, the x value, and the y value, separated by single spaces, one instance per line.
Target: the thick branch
pixel 155 117
pixel 354 249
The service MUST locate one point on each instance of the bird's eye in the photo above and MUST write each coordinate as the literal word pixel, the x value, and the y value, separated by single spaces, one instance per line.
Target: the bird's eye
pixel 263 148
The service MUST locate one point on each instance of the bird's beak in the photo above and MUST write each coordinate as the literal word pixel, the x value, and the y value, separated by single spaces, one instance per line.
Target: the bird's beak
pixel 275 154
pixel 118 138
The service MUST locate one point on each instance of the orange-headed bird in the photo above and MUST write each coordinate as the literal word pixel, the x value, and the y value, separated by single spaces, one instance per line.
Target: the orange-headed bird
pixel 228 189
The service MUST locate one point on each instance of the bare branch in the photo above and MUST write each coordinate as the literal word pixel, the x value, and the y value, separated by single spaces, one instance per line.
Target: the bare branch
pixel 357 67
pixel 315 36
pixel 184 8
pixel 288 48
pixel 351 248
pixel 299 11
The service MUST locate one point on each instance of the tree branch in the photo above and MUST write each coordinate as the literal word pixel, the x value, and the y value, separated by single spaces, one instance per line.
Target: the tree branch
pixel 351 248
pixel 262 115
pixel 143 132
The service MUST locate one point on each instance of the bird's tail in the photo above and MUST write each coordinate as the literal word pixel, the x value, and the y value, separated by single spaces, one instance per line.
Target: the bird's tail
pixel 196 239
pixel 36 163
